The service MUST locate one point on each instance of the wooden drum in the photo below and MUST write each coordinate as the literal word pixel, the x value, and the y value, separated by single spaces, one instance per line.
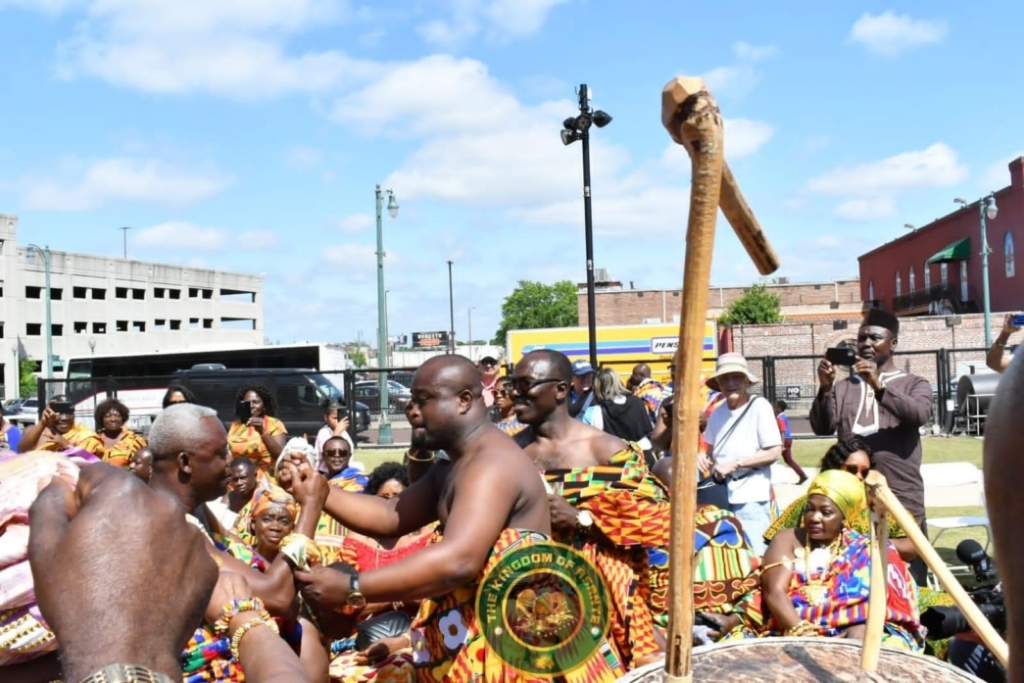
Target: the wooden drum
pixel 803 660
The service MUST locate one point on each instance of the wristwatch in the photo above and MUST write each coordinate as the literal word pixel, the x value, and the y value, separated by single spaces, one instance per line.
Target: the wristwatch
pixel 584 520
pixel 126 673
pixel 356 600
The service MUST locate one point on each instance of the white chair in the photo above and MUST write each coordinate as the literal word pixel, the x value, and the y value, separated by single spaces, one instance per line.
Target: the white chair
pixel 955 484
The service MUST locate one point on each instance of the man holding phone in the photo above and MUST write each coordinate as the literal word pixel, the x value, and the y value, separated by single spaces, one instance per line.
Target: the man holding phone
pixel 996 359
pixel 882 404
pixel 57 431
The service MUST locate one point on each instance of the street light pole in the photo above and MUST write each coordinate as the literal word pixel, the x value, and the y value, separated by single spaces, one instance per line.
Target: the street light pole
pixel 387 324
pixel 986 207
pixel 125 231
pixel 451 311
pixel 384 436
pixel 48 364
pixel 578 128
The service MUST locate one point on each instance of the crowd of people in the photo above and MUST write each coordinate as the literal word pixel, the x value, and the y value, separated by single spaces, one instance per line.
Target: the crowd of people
pixel 286 561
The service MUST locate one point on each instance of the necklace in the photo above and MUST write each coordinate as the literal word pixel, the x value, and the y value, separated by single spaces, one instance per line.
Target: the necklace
pixel 816 591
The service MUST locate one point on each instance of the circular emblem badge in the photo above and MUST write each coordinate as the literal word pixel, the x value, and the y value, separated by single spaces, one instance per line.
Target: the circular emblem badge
pixel 543 609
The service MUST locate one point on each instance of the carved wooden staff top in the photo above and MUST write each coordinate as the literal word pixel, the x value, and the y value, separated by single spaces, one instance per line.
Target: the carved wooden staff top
pixel 693 120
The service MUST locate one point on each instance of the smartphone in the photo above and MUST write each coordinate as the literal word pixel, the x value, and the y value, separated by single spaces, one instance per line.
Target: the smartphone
pixel 1018 320
pixel 244 411
pixel 63 407
pixel 842 355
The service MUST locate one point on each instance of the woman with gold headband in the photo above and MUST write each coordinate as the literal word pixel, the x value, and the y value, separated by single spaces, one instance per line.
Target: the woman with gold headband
pixel 816 579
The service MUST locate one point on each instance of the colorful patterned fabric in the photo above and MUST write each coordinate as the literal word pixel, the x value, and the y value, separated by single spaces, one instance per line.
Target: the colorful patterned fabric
pixel 397 668
pixel 652 394
pixel 448 646
pixel 123 452
pixel 246 441
pixel 725 567
pixel 630 507
pixel 510 425
pixel 847 579
pixel 263 498
pixel 933 598
pixel 330 532
pixel 844 489
pixel 792 517
pixel 79 437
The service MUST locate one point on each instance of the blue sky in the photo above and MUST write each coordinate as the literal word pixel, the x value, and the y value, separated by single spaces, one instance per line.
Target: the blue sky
pixel 248 135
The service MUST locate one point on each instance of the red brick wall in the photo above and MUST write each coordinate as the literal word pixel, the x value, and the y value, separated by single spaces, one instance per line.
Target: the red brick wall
pixel 633 307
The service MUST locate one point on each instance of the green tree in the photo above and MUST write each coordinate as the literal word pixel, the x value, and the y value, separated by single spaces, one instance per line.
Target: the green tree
pixel 757 306
pixel 358 359
pixel 28 384
pixel 534 305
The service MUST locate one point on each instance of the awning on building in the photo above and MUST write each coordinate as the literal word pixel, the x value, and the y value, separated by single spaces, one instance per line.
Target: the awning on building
pixel 958 251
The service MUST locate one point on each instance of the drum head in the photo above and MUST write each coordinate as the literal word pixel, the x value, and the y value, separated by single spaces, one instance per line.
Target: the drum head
pixel 804 660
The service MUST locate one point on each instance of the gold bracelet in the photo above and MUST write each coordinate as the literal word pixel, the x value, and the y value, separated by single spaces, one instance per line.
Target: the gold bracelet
pixel 804 628
pixel 236 639
pixel 413 458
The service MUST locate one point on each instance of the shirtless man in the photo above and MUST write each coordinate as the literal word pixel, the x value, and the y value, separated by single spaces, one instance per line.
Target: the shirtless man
pixel 486 496
pixel 557 444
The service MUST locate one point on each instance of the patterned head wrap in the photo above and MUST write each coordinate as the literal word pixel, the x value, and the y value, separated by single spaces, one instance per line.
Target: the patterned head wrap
pixel 264 499
pixel 843 489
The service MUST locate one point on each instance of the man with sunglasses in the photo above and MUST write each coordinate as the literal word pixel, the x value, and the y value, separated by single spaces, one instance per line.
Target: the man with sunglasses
pixel 604 501
pixel 489 373
pixel 488 499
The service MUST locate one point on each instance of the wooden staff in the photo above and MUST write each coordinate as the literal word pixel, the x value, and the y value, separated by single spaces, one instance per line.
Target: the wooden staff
pixel 692 117
pixel 878 600
pixel 734 204
pixel 881 493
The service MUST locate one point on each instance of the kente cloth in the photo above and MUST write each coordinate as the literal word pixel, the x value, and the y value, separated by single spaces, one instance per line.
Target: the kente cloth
pixel 24 634
pixel 630 508
pixel 246 441
pixel 329 531
pixel 652 394
pixel 725 567
pixel 79 437
pixel 123 452
pixel 938 648
pixel 846 581
pixel 397 668
pixel 510 425
pixel 793 516
pixel 449 647
pixel 262 499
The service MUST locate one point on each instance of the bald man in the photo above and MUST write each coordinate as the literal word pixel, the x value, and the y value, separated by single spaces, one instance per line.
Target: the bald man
pixel 487 496
pixel 606 503
pixel 645 388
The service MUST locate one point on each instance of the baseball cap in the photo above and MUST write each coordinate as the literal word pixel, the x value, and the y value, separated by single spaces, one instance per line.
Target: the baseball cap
pixel 582 367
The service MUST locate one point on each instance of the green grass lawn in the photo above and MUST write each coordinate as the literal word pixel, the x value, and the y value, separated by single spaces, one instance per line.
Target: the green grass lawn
pixel 937 449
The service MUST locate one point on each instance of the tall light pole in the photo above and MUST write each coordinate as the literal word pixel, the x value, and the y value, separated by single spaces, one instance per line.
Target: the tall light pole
pixel 387 324
pixel 125 231
pixel 986 209
pixel 384 436
pixel 578 128
pixel 451 311
pixel 48 364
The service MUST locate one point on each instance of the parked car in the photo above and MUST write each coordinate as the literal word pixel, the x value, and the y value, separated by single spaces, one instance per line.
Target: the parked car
pixel 26 413
pixel 402 377
pixel 369 393
pixel 300 394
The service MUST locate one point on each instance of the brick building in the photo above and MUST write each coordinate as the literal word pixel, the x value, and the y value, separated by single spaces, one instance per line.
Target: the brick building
pixel 937 268
pixel 615 305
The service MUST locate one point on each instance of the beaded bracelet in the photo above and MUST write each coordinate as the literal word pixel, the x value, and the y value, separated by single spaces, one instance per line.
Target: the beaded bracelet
pixel 804 628
pixel 236 639
pixel 233 609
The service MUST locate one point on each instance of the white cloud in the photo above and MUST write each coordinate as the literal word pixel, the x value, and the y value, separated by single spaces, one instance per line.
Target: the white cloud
pixel 180 235
pixel 744 137
pixel 501 20
pixel 120 179
pixel 997 175
pixel 890 35
pixel 754 53
pixel 357 222
pixel 235 48
pixel 935 166
pixel 183 235
pixel 866 210
pixel 302 158
pixel 731 80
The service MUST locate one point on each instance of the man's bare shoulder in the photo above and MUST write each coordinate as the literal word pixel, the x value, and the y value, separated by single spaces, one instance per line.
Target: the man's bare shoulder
pixel 602 445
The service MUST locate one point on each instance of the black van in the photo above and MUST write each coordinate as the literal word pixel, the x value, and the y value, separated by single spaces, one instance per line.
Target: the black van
pixel 300 394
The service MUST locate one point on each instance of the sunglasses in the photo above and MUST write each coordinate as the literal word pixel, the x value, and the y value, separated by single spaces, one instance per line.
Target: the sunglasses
pixel 337 451
pixel 487 364
pixel 859 471
pixel 524 385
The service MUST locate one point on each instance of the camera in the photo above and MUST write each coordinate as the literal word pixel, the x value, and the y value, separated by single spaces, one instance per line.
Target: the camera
pixel 946 622
pixel 841 355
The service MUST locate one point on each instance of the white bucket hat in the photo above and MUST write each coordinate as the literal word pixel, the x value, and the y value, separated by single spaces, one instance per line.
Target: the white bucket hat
pixel 729 363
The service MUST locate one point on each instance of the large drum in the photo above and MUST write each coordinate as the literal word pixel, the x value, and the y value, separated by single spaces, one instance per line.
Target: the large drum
pixel 803 660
